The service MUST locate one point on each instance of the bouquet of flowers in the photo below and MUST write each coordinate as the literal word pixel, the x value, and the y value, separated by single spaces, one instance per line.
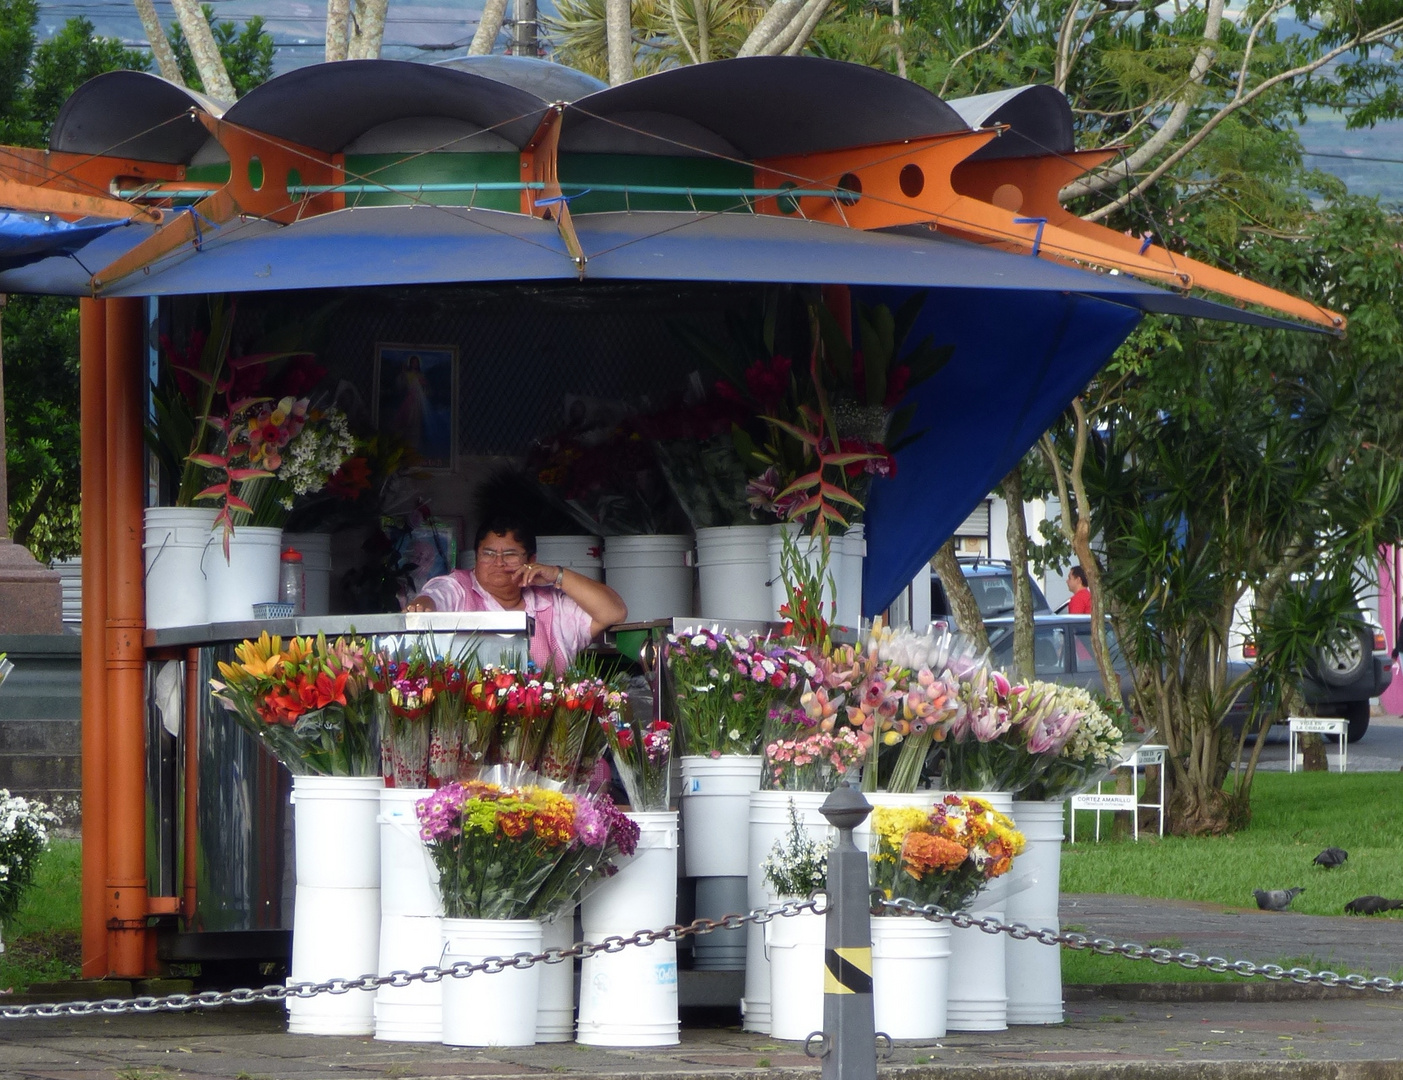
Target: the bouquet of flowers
pixel 603 834
pixel 797 865
pixel 24 836
pixel 1104 735
pixel 307 703
pixel 448 681
pixel 527 705
pixel 486 698
pixel 723 687
pixel 642 753
pixel 579 701
pixel 801 756
pixel 913 690
pixel 943 855
pixel 404 701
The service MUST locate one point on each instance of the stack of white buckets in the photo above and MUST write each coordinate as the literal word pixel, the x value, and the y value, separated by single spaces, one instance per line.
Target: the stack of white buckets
pixel 190 583
pixel 737 571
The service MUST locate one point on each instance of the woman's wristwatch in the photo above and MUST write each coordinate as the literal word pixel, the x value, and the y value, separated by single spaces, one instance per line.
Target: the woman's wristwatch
pixel 559 577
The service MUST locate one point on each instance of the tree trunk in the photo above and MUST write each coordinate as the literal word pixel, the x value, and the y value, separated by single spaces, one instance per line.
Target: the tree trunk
pixel 488 27
pixel 960 595
pixel 619 30
pixel 703 13
pixel 338 20
pixel 166 62
pixel 369 30
pixel 203 51
pixel 770 26
pixel 809 19
pixel 1023 651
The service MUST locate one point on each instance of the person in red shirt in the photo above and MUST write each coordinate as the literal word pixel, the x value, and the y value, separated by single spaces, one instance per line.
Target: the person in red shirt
pixel 1080 603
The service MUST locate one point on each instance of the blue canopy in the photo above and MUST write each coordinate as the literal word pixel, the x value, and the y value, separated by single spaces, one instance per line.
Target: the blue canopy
pixel 28 238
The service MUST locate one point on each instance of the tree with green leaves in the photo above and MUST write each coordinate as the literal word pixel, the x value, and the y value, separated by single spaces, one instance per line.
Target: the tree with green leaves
pixel 245 53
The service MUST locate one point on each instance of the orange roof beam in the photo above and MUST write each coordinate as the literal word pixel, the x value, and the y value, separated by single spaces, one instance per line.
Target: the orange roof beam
pixel 1030 186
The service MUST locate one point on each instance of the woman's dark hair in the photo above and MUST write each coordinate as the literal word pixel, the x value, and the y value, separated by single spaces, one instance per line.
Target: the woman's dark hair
pixel 1076 572
pixel 506 504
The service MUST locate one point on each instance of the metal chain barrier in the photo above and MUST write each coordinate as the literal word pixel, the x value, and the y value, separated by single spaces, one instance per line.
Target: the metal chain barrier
pixel 816 903
pixel 1107 947
pixel 213 999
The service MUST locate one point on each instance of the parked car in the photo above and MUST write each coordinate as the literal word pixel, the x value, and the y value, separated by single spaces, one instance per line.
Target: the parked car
pixel 1342 679
pixel 991 581
pixel 1062 654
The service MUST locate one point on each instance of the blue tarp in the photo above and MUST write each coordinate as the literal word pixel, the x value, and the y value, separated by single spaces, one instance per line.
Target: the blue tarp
pixel 1019 358
pixel 28 238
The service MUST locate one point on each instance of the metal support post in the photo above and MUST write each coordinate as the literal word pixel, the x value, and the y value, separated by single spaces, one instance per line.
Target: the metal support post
pixel 849 1028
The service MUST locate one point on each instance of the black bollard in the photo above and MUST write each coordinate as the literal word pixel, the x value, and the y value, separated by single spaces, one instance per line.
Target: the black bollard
pixel 849 1030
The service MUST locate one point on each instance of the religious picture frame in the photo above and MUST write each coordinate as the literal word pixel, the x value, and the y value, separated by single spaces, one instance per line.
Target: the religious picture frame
pixel 416 398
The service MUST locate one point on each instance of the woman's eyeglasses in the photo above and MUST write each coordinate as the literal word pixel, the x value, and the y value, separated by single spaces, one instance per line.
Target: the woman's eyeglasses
pixel 511 558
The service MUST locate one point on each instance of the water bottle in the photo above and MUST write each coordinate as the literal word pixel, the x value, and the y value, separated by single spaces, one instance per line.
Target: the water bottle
pixel 292 581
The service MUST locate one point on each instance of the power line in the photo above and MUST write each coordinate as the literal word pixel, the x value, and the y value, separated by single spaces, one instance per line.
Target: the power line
pixel 1354 157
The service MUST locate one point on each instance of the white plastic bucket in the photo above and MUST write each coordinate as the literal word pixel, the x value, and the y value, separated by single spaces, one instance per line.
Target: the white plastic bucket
pixel 629 998
pixel 733 571
pixel 555 1009
pixel 582 554
pixel 335 935
pixel 412 1013
pixel 853 545
pixel 978 998
pixel 716 812
pixel 644 891
pixel 174 543
pixel 768 822
pixel 794 946
pixel 250 576
pixel 811 548
pixel 337 837
pixel 653 575
pixel 490 1010
pixel 862 835
pixel 408 877
pixel 1034 977
pixel 315 549
pixel 720 950
pixel 910 976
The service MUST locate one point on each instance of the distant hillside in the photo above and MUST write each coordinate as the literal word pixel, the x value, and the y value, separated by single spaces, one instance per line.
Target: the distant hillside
pixel 1339 152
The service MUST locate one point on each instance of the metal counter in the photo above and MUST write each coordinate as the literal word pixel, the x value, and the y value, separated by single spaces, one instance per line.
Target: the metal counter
pixel 219 834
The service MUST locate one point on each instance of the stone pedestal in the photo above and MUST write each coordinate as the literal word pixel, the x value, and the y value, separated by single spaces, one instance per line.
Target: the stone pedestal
pixel 31 595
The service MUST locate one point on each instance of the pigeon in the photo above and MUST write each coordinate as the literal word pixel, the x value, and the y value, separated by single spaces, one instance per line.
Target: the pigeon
pixel 1275 899
pixel 1331 857
pixel 1371 905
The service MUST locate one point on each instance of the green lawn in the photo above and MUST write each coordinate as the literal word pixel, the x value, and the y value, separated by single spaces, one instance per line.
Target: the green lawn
pixel 1294 817
pixel 42 940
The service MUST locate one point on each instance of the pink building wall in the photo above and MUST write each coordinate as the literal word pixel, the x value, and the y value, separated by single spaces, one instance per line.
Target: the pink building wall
pixel 1390 593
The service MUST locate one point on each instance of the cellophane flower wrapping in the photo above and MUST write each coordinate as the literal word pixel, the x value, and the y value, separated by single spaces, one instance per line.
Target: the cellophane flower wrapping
pixel 495 847
pixel 944 854
pixel 642 751
pixel 604 835
pixel 797 865
pixel 448 679
pixel 404 701
pixel 486 702
pixel 800 755
pixel 1105 735
pixel 579 701
pixel 527 705
pixel 723 686
pixel 308 703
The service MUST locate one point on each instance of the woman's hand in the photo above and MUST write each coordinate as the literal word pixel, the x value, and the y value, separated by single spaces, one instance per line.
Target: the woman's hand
pixel 529 574
pixel 421 603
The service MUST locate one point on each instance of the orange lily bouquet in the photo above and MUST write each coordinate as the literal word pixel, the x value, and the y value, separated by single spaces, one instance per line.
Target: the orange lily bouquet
pixel 308 703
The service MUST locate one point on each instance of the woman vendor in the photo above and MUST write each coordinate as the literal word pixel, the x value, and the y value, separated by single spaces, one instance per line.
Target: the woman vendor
pixel 569 609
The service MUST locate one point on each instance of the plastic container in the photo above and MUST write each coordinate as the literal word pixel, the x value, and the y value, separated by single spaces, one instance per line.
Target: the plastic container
pixel 292 581
pixel 335 935
pixel 978 998
pixel 408 877
pixel 794 951
pixel 337 835
pixel 853 547
pixel 250 576
pixel 412 1013
pixel 316 569
pixel 629 998
pixel 644 891
pixel 555 1008
pixel 653 575
pixel 491 1010
pixel 720 950
pixel 582 554
pixel 1033 978
pixel 716 811
pixel 910 976
pixel 174 545
pixel 733 572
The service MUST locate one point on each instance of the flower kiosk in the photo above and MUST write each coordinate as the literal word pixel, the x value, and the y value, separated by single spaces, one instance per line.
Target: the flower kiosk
pixel 467 250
